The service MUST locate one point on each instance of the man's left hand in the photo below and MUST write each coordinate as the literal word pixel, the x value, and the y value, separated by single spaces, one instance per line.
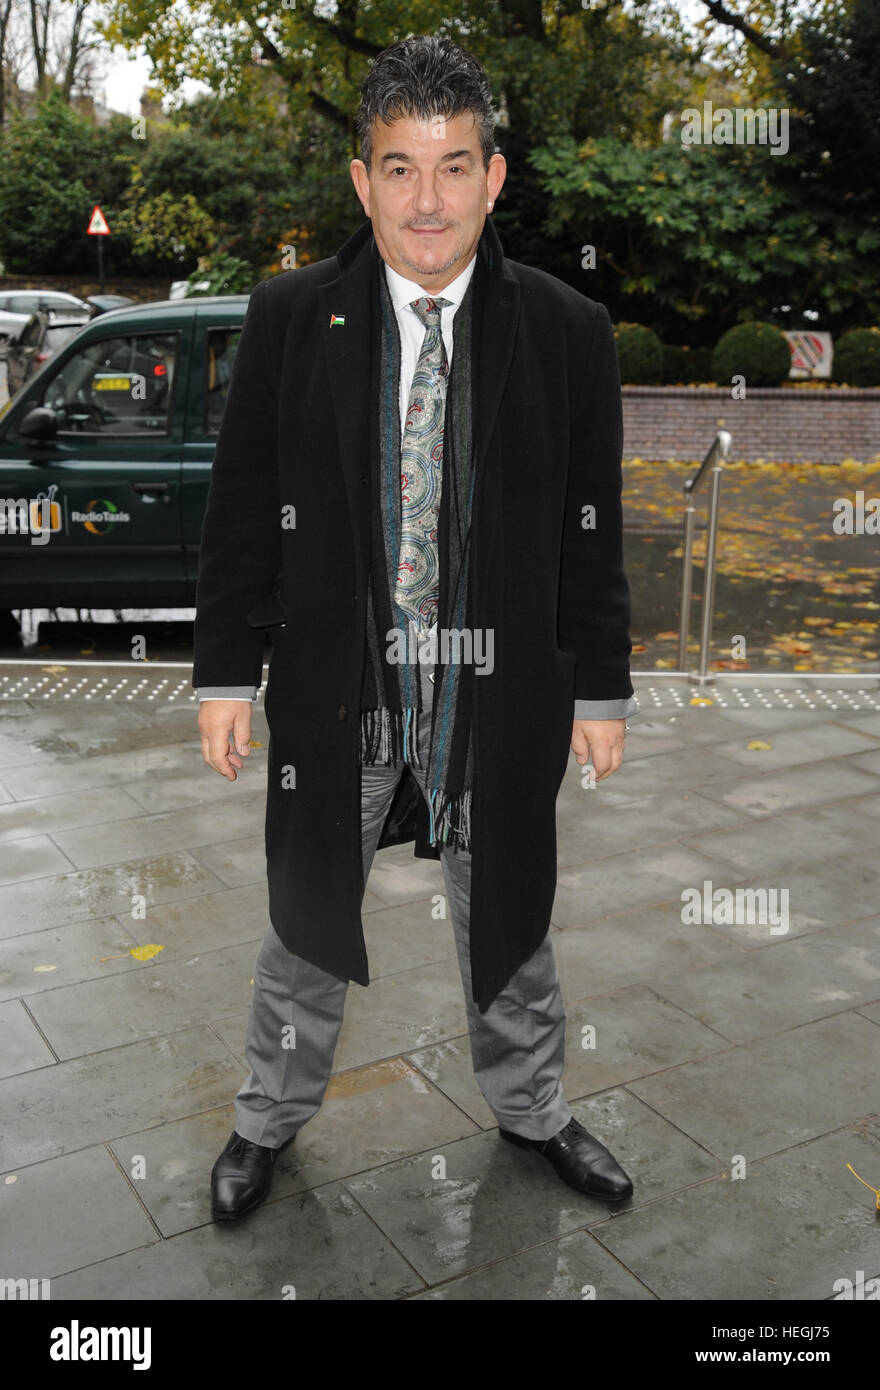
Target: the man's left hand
pixel 601 740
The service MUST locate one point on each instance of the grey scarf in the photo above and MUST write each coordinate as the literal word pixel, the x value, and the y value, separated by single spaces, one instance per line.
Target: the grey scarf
pixel 391 694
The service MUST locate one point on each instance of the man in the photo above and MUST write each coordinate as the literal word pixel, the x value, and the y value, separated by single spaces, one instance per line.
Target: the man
pixel 417 489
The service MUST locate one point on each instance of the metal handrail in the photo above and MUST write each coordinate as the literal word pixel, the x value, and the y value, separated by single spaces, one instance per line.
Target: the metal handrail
pixel 719 449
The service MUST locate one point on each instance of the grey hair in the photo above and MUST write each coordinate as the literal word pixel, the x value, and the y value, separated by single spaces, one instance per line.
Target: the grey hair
pixel 423 77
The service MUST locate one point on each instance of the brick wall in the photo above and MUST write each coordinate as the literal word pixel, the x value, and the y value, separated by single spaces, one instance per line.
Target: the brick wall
pixel 780 425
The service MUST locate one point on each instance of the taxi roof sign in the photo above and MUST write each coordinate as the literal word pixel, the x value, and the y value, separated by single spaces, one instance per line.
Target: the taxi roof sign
pixel 97 223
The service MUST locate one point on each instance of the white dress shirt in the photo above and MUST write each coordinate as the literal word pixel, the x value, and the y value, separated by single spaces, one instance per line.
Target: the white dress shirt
pixel 412 330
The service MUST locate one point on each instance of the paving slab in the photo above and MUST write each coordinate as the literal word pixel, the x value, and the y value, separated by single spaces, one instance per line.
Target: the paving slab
pixel 400 1013
pixel 576 1267
pixel 45 815
pixel 162 999
pixel 70 773
pixel 74 896
pixel 24 1048
pixel 24 747
pixel 407 936
pixel 467 1203
pixel 835 892
pixel 806 784
pixel 632 947
pixel 812 743
pixel 397 877
pixel 771 1093
pixel 865 723
pixel 763 992
pixel 868 762
pixel 633 1033
pixel 33 858
pixel 449 1067
pixel 638 777
pixel 229 917
pixel 150 835
pixel 630 879
pixel 778 845
pixel 235 862
pixel 595 830
pixel 68 1212
pixel 43 960
pixel 122 1090
pixel 797 1223
pixel 319 1245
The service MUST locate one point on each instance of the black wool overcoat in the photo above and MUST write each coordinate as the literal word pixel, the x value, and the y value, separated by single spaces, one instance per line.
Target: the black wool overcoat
pixel 547 576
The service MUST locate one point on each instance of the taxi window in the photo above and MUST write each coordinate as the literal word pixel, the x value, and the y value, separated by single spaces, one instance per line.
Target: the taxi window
pixel 221 346
pixel 118 385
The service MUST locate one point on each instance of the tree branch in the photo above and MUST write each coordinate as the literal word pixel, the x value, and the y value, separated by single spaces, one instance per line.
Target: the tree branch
pixel 345 36
pixel 748 31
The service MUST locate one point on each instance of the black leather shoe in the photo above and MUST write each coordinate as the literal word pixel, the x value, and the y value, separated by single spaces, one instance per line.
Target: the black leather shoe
pixel 581 1161
pixel 242 1176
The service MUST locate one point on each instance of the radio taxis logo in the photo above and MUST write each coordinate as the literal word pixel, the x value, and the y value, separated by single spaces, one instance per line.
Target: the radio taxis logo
pixel 99 515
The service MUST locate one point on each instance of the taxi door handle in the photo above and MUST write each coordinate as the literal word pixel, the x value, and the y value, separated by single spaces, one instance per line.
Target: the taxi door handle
pixel 153 490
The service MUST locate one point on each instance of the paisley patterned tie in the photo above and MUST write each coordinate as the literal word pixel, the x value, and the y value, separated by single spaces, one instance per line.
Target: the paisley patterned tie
pixel 421 473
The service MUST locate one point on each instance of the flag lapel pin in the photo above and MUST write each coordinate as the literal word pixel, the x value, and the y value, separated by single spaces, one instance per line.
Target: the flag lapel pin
pixel 337 320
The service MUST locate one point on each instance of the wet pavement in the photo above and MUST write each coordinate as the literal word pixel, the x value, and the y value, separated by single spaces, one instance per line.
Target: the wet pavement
pixel 734 1066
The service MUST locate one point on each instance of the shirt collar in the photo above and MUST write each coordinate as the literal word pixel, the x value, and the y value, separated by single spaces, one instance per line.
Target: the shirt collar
pixel 403 291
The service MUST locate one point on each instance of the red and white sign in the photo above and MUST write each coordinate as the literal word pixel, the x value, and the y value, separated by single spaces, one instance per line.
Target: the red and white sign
pixel 811 353
pixel 97 223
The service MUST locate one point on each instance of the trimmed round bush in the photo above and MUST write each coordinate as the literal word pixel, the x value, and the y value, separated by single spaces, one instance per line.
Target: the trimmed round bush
pixel 757 351
pixel 857 357
pixel 640 354
pixel 686 366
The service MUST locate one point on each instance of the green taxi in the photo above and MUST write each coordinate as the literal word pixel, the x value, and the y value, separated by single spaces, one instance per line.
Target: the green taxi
pixel 105 458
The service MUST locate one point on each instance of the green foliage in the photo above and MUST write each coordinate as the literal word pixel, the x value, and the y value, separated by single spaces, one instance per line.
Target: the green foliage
pixel 164 226
pixel 54 166
pixel 220 274
pixel 639 354
pixel 857 357
pixel 686 366
pixel 757 351
pixel 686 234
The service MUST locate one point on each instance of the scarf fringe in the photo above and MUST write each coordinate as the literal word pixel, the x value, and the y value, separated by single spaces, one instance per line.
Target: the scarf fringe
pixel 386 734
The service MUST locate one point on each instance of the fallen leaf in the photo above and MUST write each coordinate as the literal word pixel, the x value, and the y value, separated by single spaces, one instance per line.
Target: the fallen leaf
pixel 145 952
pixel 756 746
pixel 40 969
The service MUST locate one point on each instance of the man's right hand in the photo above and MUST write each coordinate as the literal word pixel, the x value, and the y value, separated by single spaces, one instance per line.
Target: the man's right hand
pixel 220 721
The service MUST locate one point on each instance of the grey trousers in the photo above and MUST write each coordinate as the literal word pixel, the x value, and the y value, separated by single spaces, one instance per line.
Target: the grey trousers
pixel 517 1045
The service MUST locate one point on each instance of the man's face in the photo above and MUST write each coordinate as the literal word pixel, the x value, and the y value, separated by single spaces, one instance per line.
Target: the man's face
pixel 427 194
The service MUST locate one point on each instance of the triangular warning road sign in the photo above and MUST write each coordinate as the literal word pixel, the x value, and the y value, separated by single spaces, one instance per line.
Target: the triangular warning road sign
pixel 97 223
